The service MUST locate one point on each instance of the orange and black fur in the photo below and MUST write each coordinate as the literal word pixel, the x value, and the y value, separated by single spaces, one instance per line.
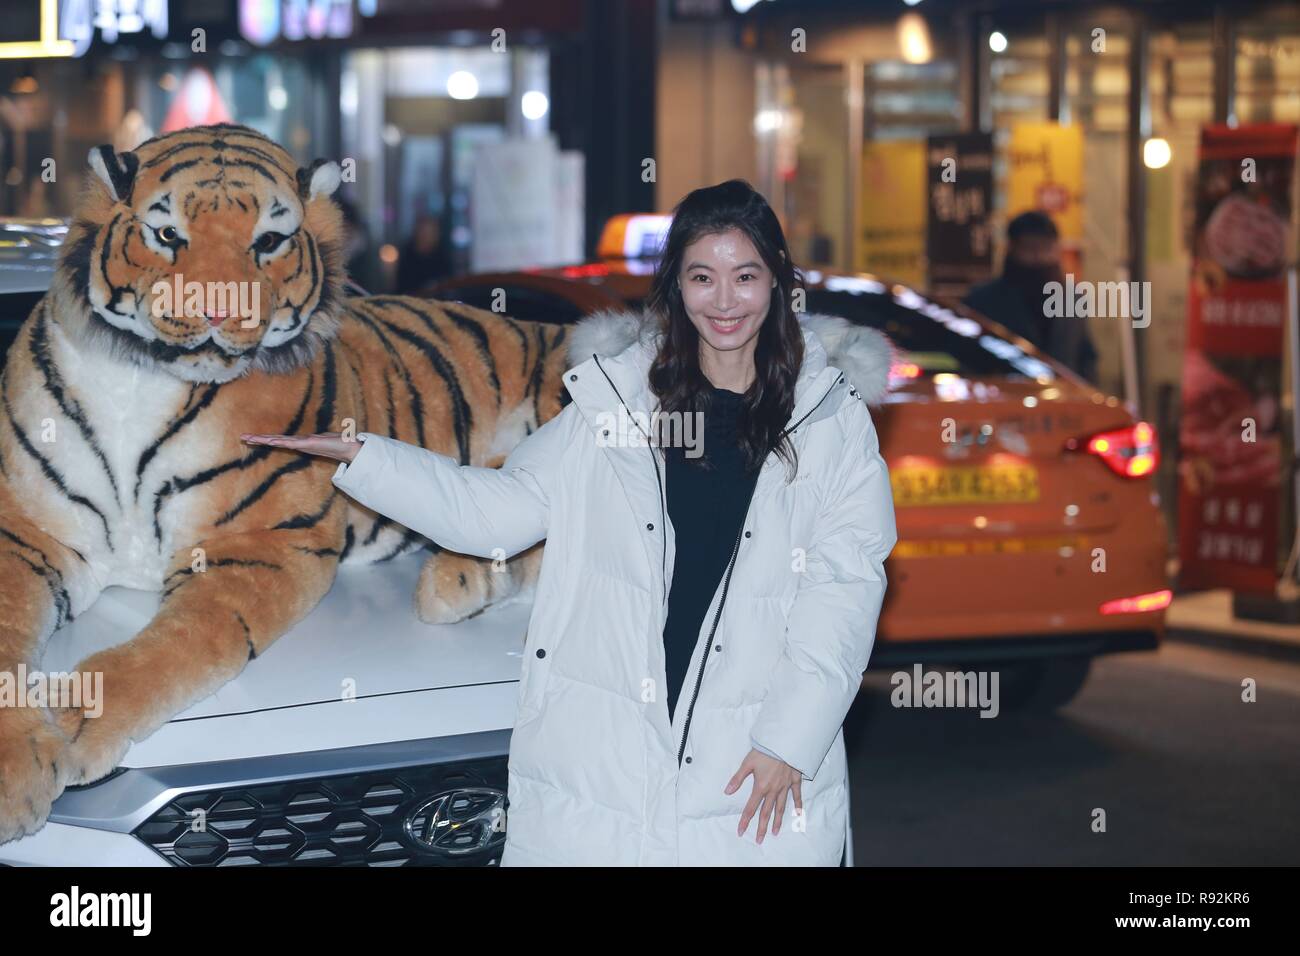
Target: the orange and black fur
pixel 120 456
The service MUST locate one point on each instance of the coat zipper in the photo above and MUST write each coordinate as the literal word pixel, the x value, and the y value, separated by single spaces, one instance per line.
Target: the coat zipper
pixel 663 520
pixel 726 583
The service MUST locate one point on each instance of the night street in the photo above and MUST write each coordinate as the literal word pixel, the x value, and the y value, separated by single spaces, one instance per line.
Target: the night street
pixel 501 434
pixel 1187 773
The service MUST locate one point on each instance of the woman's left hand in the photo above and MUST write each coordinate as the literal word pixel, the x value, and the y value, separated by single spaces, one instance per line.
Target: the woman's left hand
pixel 773 779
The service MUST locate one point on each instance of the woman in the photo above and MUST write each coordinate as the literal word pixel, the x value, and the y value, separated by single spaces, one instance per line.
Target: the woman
pixel 652 728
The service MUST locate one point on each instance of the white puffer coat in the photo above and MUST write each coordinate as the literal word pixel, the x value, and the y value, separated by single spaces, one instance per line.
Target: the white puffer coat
pixel 598 775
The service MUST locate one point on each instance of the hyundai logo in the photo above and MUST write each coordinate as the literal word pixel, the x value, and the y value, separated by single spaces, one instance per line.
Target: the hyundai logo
pixel 458 822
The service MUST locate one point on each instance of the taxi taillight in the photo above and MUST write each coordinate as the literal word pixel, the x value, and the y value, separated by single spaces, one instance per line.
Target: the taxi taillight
pixel 1131 452
pixel 1139 603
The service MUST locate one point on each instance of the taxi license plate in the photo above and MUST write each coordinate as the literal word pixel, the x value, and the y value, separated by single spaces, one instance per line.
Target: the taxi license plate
pixel 964 485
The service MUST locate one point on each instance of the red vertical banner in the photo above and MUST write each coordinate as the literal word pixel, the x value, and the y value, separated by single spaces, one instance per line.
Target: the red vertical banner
pixel 1230 438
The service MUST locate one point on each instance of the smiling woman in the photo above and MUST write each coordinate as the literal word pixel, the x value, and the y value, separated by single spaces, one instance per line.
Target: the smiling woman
pixel 684 680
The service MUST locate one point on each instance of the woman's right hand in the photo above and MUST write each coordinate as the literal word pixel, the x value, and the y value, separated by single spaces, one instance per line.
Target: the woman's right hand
pixel 326 445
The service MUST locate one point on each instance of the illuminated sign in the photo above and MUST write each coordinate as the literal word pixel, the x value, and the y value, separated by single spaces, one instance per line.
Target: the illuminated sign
pixel 113 18
pixel 264 21
pixel 67 29
pixel 47 42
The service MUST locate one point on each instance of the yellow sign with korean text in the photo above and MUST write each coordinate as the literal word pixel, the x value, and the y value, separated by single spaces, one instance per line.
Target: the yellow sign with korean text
pixel 891 221
pixel 1045 172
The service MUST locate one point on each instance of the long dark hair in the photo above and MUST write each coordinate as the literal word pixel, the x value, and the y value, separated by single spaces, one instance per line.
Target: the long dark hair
pixel 675 375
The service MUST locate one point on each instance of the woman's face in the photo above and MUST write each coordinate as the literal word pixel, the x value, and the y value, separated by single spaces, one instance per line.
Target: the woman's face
pixel 726 289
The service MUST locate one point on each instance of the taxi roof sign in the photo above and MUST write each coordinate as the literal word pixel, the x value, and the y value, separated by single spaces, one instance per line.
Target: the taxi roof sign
pixel 633 236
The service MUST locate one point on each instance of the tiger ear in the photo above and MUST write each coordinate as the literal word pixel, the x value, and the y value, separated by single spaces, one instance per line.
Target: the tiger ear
pixel 320 178
pixel 117 170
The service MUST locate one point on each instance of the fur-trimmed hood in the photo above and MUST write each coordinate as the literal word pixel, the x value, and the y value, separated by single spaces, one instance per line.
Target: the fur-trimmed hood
pixel 864 354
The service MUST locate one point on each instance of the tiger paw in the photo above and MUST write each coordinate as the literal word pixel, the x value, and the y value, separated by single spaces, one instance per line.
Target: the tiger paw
pixel 452 587
pixel 31 747
pixel 93 752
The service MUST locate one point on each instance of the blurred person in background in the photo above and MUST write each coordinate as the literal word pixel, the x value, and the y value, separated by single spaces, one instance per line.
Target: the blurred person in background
pixel 1016 298
pixel 356 246
pixel 424 257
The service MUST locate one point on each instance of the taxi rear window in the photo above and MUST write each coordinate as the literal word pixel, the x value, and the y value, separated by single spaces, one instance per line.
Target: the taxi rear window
pixel 929 336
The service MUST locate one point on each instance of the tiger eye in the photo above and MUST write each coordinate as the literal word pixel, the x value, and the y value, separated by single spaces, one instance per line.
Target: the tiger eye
pixel 269 241
pixel 168 234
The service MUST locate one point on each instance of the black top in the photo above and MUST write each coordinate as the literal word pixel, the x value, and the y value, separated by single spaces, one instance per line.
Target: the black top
pixel 707 508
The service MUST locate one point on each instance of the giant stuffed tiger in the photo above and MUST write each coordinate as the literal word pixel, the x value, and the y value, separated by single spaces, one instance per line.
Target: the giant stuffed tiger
pixel 120 456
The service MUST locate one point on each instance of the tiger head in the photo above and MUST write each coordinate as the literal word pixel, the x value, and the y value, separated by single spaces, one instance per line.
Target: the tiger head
pixel 207 252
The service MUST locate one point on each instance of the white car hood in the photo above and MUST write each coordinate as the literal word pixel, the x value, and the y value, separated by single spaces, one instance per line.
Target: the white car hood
pixel 363 639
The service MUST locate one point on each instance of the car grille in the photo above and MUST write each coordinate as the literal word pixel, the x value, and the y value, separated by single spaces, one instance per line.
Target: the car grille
pixel 372 818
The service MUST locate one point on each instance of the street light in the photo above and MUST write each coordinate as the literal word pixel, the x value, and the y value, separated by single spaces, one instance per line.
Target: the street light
pixel 1156 153
pixel 462 85
pixel 997 42
pixel 914 38
pixel 534 104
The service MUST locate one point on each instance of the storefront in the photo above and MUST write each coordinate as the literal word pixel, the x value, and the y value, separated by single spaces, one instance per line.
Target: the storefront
pixel 405 91
pixel 860 93
pixel 139 70
pixel 1113 98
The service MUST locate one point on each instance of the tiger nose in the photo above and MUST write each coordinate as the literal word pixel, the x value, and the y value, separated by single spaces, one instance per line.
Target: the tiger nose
pixel 216 317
